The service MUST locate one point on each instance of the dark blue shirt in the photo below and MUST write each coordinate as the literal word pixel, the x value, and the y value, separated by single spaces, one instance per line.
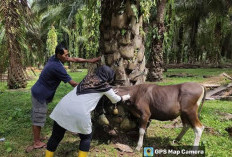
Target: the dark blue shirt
pixel 51 76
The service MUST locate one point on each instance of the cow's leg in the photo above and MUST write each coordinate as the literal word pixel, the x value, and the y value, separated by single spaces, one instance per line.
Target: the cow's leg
pixel 185 128
pixel 140 142
pixel 196 125
pixel 198 132
pixel 144 121
pixel 182 133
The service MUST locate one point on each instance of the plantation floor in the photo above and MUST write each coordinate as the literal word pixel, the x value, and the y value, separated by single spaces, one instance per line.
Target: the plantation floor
pixel 15 125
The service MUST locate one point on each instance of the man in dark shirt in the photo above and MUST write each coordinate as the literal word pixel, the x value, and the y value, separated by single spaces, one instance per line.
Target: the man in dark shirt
pixel 44 89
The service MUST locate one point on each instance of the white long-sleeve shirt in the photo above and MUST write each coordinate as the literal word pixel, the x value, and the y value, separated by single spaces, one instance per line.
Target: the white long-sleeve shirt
pixel 73 112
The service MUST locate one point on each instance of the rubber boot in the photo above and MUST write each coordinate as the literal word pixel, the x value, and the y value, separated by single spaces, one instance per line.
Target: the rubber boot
pixel 82 154
pixel 49 154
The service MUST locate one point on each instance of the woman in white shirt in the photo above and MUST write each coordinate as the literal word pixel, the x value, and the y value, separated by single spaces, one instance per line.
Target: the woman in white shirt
pixel 73 112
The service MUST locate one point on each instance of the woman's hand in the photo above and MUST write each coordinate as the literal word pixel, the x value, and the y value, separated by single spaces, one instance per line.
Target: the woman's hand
pixel 126 97
pixel 115 91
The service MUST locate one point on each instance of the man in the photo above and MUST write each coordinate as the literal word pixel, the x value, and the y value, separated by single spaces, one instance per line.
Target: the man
pixel 44 89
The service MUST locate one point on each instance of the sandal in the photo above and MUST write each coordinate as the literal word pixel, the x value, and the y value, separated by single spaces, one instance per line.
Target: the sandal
pixel 32 147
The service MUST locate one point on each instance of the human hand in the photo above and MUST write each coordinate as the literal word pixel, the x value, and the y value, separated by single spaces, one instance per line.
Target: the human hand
pixel 115 91
pixel 96 59
pixel 126 97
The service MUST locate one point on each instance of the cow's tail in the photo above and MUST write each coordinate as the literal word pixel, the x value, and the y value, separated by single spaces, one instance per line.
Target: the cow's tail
pixel 202 101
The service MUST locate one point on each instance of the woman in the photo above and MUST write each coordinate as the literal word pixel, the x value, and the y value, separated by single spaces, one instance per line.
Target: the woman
pixel 73 112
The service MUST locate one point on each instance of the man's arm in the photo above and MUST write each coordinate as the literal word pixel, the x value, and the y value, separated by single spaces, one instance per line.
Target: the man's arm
pixel 82 60
pixel 73 83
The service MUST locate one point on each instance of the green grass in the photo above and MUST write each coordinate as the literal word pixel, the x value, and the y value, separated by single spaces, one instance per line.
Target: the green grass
pixel 15 124
pixel 198 75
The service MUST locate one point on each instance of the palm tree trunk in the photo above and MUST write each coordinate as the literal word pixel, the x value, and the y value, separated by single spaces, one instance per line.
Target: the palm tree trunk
pixel 155 62
pixel 16 72
pixel 122 45
pixel 218 45
pixel 192 53
pixel 121 41
pixel 179 43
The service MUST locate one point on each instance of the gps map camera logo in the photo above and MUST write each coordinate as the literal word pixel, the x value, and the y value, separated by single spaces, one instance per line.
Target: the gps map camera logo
pixel 148 151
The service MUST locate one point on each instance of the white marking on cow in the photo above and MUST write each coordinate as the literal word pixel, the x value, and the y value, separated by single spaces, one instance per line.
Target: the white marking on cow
pixel 198 132
pixel 201 97
pixel 140 142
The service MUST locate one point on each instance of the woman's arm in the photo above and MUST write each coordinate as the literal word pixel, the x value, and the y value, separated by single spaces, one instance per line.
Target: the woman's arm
pixel 114 98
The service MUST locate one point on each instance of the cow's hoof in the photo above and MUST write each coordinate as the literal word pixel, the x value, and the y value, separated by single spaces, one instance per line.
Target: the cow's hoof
pixel 174 142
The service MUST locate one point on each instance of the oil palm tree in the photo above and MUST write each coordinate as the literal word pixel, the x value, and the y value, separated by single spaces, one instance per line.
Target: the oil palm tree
pixel 122 41
pixel 193 14
pixel 20 38
pixel 155 61
pixel 12 15
pixel 60 13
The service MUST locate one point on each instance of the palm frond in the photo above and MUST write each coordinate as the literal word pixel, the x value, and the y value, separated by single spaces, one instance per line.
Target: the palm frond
pixel 75 6
pixel 66 30
pixel 2 34
pixel 81 39
pixel 53 15
pixel 61 10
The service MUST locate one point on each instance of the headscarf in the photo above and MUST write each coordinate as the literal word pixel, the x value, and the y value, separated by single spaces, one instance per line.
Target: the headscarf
pixel 97 82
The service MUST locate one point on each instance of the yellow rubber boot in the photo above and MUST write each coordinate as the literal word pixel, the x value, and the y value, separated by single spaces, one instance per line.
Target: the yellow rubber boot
pixel 82 154
pixel 49 154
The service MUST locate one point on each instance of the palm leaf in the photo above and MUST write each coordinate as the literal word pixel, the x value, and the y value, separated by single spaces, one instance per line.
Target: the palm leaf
pixel 2 34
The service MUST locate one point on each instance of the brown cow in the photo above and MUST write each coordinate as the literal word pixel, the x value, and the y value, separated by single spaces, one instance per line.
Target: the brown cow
pixel 150 101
